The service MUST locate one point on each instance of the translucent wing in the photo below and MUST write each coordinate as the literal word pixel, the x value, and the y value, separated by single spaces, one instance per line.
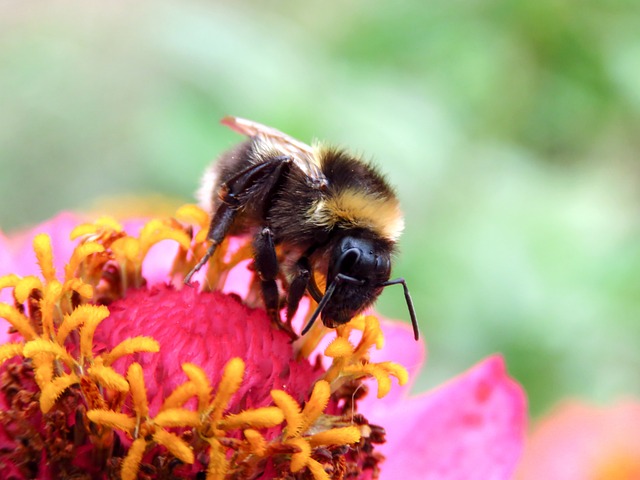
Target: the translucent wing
pixel 303 155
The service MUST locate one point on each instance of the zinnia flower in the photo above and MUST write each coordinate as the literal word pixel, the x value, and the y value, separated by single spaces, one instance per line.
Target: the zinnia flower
pixel 577 441
pixel 114 369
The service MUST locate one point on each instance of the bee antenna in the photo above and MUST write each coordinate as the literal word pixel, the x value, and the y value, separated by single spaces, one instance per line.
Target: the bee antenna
pixel 407 297
pixel 340 278
pixel 323 301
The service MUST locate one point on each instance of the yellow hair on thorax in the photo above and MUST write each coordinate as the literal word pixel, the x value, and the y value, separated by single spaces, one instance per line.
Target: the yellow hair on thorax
pixel 357 209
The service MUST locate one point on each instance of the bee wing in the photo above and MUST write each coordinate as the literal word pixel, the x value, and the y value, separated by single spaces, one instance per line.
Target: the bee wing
pixel 303 155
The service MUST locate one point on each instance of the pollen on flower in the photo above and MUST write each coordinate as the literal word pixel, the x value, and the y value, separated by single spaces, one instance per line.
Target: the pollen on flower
pixel 179 382
pixel 352 361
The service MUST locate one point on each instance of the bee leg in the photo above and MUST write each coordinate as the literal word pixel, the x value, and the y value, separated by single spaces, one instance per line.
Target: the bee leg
pixel 266 263
pixel 298 287
pixel 220 225
pixel 266 175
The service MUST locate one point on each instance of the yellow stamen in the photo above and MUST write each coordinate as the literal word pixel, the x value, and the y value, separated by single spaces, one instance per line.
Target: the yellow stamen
pixel 73 321
pixel 396 370
pixel 317 470
pixel 131 464
pixel 108 377
pixel 48 306
pixel 40 345
pixel 193 214
pixel 336 436
pixel 177 417
pixel 218 464
pixel 77 285
pixel 10 350
pixel 180 396
pixel 52 391
pixel 265 417
pixel 25 286
pixel 175 445
pixel 156 231
pixel 299 460
pixel 112 419
pixel 229 384
pixel 105 224
pixel 199 379
pixel 94 316
pixel 138 390
pixel 43 367
pixel 130 346
pixel 372 335
pixel 380 372
pixel 257 443
pixel 340 347
pixel 8 281
pixel 291 411
pixel 17 321
pixel 79 255
pixel 126 250
pixel 44 255
pixel 316 405
pixel 353 362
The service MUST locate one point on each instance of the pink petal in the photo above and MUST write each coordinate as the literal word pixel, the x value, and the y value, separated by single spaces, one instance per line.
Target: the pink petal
pixel 6 267
pixel 59 228
pixel 17 256
pixel 470 428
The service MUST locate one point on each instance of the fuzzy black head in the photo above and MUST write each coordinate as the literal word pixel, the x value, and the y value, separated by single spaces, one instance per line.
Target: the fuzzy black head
pixel 358 267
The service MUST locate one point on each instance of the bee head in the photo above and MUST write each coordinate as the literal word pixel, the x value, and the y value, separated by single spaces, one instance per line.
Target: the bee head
pixel 358 267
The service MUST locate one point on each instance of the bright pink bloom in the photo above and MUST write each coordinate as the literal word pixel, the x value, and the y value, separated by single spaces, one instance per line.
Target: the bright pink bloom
pixel 470 428
pixel 577 441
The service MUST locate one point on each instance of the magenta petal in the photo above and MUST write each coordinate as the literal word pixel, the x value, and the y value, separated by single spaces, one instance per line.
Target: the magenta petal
pixel 473 427
pixel 6 267
pixel 157 265
pixel 17 256
pixel 58 229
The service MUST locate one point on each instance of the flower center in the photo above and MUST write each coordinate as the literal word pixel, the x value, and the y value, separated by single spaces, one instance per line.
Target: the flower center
pixel 175 381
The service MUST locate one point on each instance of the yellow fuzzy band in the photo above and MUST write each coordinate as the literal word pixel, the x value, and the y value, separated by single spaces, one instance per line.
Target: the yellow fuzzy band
pixel 357 209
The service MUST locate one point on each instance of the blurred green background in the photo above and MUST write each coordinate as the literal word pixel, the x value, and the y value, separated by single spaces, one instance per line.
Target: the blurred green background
pixel 511 129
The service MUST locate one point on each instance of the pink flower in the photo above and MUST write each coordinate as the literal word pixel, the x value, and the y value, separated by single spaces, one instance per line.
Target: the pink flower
pixel 472 427
pixel 577 441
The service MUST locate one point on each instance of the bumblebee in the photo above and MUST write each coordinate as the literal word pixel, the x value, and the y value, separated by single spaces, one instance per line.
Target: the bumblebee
pixel 328 211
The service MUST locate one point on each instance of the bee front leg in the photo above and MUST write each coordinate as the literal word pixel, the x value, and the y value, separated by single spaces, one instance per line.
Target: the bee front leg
pixel 261 179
